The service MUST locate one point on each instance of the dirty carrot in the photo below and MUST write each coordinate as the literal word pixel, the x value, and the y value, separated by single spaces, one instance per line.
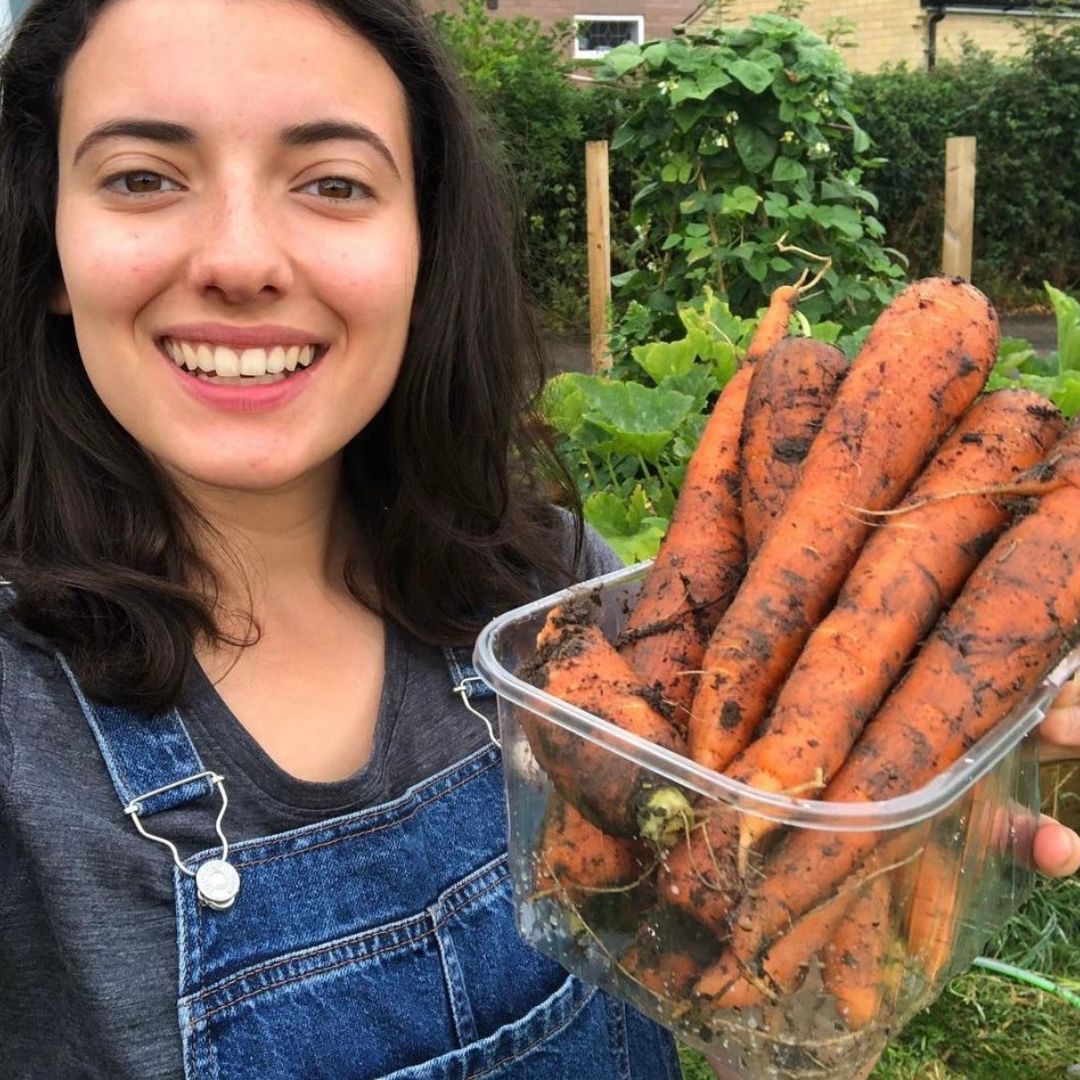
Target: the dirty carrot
pixel 910 569
pixel 668 954
pixel 793 385
pixel 925 360
pixel 576 860
pixel 857 969
pixel 576 663
pixel 699 565
pixel 783 969
pixel 933 909
pixel 773 328
pixel 1018 614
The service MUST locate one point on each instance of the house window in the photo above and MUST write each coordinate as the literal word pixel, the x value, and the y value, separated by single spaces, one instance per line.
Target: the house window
pixel 598 34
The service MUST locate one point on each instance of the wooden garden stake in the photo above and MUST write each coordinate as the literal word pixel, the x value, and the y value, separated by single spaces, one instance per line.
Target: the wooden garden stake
pixel 959 206
pixel 599 240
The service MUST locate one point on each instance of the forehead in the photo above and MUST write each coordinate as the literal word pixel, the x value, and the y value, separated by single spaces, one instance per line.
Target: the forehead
pixel 232 67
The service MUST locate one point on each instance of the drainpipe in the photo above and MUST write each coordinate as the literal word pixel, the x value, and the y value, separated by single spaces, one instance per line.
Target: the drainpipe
pixel 931 35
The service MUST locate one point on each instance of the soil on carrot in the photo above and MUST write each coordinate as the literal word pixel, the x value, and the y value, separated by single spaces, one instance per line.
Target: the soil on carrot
pixel 984 1024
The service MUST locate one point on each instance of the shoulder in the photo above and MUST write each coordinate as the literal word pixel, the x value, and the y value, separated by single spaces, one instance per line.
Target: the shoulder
pixel 595 557
pixel 33 689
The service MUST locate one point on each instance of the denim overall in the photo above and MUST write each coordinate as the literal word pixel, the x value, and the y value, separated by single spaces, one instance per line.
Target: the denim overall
pixel 378 944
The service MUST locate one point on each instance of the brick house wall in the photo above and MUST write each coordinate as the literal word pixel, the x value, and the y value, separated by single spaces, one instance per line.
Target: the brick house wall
pixel 661 16
pixel 886 31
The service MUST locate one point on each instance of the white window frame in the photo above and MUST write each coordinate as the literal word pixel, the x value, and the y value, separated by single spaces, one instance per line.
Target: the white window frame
pixel 598 54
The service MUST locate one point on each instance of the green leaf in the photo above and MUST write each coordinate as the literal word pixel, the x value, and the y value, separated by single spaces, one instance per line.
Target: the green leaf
pixel 696 228
pixel 624 134
pixel 563 402
pixel 622 59
pixel 754 76
pixel 641 420
pixel 785 168
pixel 669 173
pixel 1067 314
pixel 662 359
pixel 698 381
pixel 741 200
pixel 655 54
pixel 756 148
pixel 633 536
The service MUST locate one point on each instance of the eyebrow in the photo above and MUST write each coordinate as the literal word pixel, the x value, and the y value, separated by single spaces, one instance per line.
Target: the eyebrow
pixel 309 134
pixel 153 130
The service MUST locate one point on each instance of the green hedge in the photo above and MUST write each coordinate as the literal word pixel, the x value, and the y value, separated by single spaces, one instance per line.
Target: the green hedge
pixel 517 73
pixel 1025 114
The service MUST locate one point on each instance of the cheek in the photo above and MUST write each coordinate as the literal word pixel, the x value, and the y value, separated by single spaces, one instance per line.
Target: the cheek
pixel 362 280
pixel 107 270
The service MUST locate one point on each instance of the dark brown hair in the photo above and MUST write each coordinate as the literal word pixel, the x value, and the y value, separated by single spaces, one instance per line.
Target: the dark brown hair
pixel 451 482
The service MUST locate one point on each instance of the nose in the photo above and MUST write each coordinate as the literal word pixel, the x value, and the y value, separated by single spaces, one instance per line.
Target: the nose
pixel 240 255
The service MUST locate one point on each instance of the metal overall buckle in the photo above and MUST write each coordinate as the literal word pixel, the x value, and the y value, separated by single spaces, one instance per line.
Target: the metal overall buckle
pixel 216 881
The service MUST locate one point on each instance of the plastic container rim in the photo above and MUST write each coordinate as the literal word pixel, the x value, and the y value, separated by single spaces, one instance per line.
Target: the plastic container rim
pixel 895 813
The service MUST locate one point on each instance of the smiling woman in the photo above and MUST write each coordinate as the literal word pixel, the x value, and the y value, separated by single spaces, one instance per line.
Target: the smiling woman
pixel 267 464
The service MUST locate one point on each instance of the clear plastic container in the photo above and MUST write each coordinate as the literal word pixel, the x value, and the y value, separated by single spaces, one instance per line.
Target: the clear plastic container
pixel 951 863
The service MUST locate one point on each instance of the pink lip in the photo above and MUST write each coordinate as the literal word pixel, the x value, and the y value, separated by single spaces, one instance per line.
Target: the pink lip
pixel 240 337
pixel 244 399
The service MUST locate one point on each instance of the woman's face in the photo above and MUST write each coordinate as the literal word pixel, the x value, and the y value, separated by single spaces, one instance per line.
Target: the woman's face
pixel 237 232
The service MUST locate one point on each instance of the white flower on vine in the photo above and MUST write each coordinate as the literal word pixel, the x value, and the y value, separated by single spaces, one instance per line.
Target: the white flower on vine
pixel 650 265
pixel 788 136
pixel 731 117
pixel 819 149
pixel 822 99
pixel 665 86
pixel 721 141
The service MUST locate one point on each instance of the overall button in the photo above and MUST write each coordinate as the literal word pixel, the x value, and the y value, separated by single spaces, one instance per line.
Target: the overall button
pixel 218 883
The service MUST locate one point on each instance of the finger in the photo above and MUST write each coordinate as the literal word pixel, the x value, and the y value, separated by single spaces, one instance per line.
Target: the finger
pixel 1059 733
pixel 1056 850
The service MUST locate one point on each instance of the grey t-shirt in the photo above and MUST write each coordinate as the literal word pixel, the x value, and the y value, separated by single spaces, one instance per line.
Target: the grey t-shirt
pixel 88 955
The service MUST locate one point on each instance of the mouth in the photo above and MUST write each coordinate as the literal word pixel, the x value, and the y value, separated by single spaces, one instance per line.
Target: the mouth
pixel 227 366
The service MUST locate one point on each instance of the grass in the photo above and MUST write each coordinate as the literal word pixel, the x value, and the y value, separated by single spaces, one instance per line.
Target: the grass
pixel 989 1025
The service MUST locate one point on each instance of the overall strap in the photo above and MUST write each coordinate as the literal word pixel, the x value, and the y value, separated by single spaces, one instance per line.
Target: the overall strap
pixel 463 674
pixel 151 759
pixel 469 685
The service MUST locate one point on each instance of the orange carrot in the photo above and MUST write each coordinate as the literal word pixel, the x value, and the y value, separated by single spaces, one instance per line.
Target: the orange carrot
pixel 783 969
pixel 856 970
pixel 924 361
pixel 668 954
pixel 576 663
pixel 699 565
pixel 933 909
pixel 910 568
pixel 575 860
pixel 1018 614
pixel 793 387
pixel 773 328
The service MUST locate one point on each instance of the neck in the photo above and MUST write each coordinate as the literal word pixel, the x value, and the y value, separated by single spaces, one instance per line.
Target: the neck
pixel 279 546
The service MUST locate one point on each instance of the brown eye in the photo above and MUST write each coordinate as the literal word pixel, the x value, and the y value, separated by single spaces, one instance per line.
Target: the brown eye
pixel 336 187
pixel 141 182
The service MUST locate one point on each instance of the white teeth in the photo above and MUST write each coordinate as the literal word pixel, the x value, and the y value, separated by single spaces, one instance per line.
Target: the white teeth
pixel 190 356
pixel 226 362
pixel 253 362
pixel 229 364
